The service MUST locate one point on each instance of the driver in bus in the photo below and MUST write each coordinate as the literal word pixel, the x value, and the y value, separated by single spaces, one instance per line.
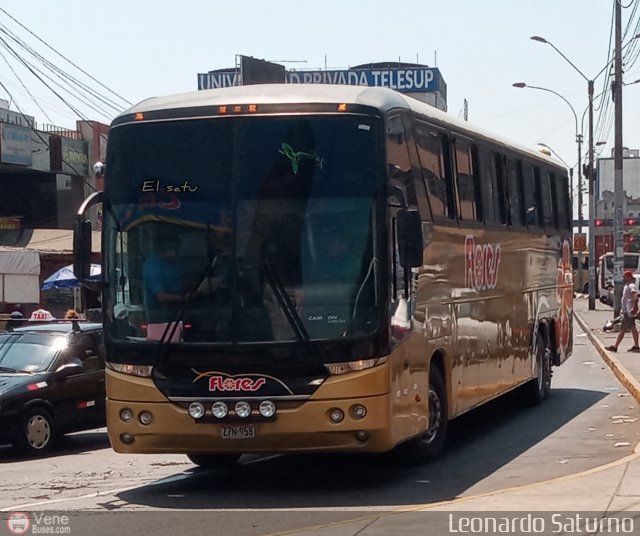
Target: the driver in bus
pixel 163 277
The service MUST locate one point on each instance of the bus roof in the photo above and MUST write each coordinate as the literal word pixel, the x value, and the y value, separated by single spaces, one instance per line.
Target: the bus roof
pixel 380 98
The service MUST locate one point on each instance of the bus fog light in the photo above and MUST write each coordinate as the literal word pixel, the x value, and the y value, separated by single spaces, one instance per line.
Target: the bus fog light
pixel 243 409
pixel 127 439
pixel 267 408
pixel 145 417
pixel 358 411
pixel 196 410
pixel 362 435
pixel 126 415
pixel 220 410
pixel 336 415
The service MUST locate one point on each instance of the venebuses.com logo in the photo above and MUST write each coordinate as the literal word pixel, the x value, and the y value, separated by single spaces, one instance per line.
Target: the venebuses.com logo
pixel 19 523
pixel 38 523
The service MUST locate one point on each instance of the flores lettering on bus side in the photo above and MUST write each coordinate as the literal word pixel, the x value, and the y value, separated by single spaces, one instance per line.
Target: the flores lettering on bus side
pixel 481 264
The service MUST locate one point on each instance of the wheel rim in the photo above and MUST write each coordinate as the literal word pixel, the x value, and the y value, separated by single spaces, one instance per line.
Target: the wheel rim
pixel 435 415
pixel 38 432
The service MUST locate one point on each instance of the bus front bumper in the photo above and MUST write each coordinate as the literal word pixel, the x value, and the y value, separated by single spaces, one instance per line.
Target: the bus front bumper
pixel 306 427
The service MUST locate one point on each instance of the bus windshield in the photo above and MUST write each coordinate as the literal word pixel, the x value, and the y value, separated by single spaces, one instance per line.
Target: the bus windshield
pixel 243 229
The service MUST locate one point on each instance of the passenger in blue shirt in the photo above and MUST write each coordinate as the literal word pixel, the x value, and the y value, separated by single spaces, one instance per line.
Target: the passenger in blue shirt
pixel 163 278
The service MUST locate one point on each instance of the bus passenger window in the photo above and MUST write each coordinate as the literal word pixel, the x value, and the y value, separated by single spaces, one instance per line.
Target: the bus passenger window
pixel 531 184
pixel 488 181
pixel 499 188
pixel 398 162
pixel 467 182
pixel 548 202
pixel 516 201
pixel 561 192
pixel 430 154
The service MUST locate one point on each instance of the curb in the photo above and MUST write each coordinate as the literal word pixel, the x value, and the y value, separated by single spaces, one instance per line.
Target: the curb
pixel 624 376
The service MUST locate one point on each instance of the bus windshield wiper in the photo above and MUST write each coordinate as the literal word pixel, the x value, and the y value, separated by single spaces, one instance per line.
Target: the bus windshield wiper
pixel 285 302
pixel 7 369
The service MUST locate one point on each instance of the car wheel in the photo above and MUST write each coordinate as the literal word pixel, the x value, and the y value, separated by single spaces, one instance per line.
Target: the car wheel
pixel 539 387
pixel 429 445
pixel 213 461
pixel 37 432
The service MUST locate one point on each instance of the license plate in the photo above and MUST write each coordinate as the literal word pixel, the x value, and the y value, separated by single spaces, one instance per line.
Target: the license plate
pixel 238 431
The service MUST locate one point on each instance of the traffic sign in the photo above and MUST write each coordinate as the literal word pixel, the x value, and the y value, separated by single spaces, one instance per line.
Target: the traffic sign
pixel 580 242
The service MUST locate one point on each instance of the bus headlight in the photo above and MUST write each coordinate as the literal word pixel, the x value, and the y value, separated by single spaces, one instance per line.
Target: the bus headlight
pixel 267 408
pixel 335 369
pixel 196 410
pixel 242 409
pixel 220 410
pixel 336 415
pixel 126 415
pixel 142 371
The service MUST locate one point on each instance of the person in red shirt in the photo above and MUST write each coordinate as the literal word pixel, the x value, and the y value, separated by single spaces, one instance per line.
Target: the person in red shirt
pixel 629 313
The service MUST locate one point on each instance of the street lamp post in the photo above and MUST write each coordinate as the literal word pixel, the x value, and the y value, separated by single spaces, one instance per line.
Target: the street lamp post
pixel 590 178
pixel 579 138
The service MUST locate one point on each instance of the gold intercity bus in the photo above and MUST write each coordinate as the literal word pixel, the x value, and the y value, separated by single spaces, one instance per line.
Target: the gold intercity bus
pixel 294 268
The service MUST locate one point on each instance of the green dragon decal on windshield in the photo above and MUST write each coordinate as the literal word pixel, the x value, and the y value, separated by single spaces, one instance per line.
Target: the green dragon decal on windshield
pixel 295 157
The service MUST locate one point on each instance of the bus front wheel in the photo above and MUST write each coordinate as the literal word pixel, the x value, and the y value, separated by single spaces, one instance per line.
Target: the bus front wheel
pixel 213 461
pixel 429 445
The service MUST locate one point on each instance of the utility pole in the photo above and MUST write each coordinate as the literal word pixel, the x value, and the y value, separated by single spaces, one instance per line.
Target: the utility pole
pixel 618 262
pixel 592 207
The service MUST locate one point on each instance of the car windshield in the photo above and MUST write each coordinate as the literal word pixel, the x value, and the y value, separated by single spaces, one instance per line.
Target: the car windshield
pixel 267 224
pixel 29 352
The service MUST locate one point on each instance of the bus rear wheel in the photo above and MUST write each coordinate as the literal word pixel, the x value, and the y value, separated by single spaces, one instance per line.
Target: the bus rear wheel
pixel 539 387
pixel 429 445
pixel 213 461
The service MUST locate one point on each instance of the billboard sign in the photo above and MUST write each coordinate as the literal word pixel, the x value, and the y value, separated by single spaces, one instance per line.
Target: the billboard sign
pixel 15 145
pixel 405 80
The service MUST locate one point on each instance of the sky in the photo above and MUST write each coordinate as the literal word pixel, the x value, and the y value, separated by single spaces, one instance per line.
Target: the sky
pixel 144 48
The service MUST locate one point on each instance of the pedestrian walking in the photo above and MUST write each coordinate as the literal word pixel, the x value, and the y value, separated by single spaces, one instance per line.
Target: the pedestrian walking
pixel 629 313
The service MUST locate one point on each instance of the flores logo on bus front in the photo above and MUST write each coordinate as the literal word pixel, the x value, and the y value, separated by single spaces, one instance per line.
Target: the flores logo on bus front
pixel 248 383
pixel 222 383
pixel 481 263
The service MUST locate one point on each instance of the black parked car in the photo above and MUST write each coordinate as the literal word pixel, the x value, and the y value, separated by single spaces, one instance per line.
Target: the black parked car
pixel 52 382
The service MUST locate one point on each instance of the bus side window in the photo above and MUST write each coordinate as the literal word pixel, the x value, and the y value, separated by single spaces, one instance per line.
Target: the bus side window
pixel 560 191
pixel 516 201
pixel 467 182
pixel 431 157
pixel 399 163
pixel 488 181
pixel 531 204
pixel 500 188
pixel 549 212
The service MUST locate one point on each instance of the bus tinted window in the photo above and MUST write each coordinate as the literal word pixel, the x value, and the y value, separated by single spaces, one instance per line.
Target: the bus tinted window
pixel 399 164
pixel 499 188
pixel 516 201
pixel 561 186
pixel 530 182
pixel 467 182
pixel 430 153
pixel 548 200
pixel 494 190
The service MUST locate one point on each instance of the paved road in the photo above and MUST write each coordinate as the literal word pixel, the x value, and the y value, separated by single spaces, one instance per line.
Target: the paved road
pixel 588 421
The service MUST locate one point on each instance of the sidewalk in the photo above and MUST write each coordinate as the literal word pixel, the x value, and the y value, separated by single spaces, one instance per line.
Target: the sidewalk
pixel 612 488
pixel 625 365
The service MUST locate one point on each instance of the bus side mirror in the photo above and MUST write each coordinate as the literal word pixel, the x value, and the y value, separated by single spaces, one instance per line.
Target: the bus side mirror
pixel 82 249
pixel 409 230
pixel 82 239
